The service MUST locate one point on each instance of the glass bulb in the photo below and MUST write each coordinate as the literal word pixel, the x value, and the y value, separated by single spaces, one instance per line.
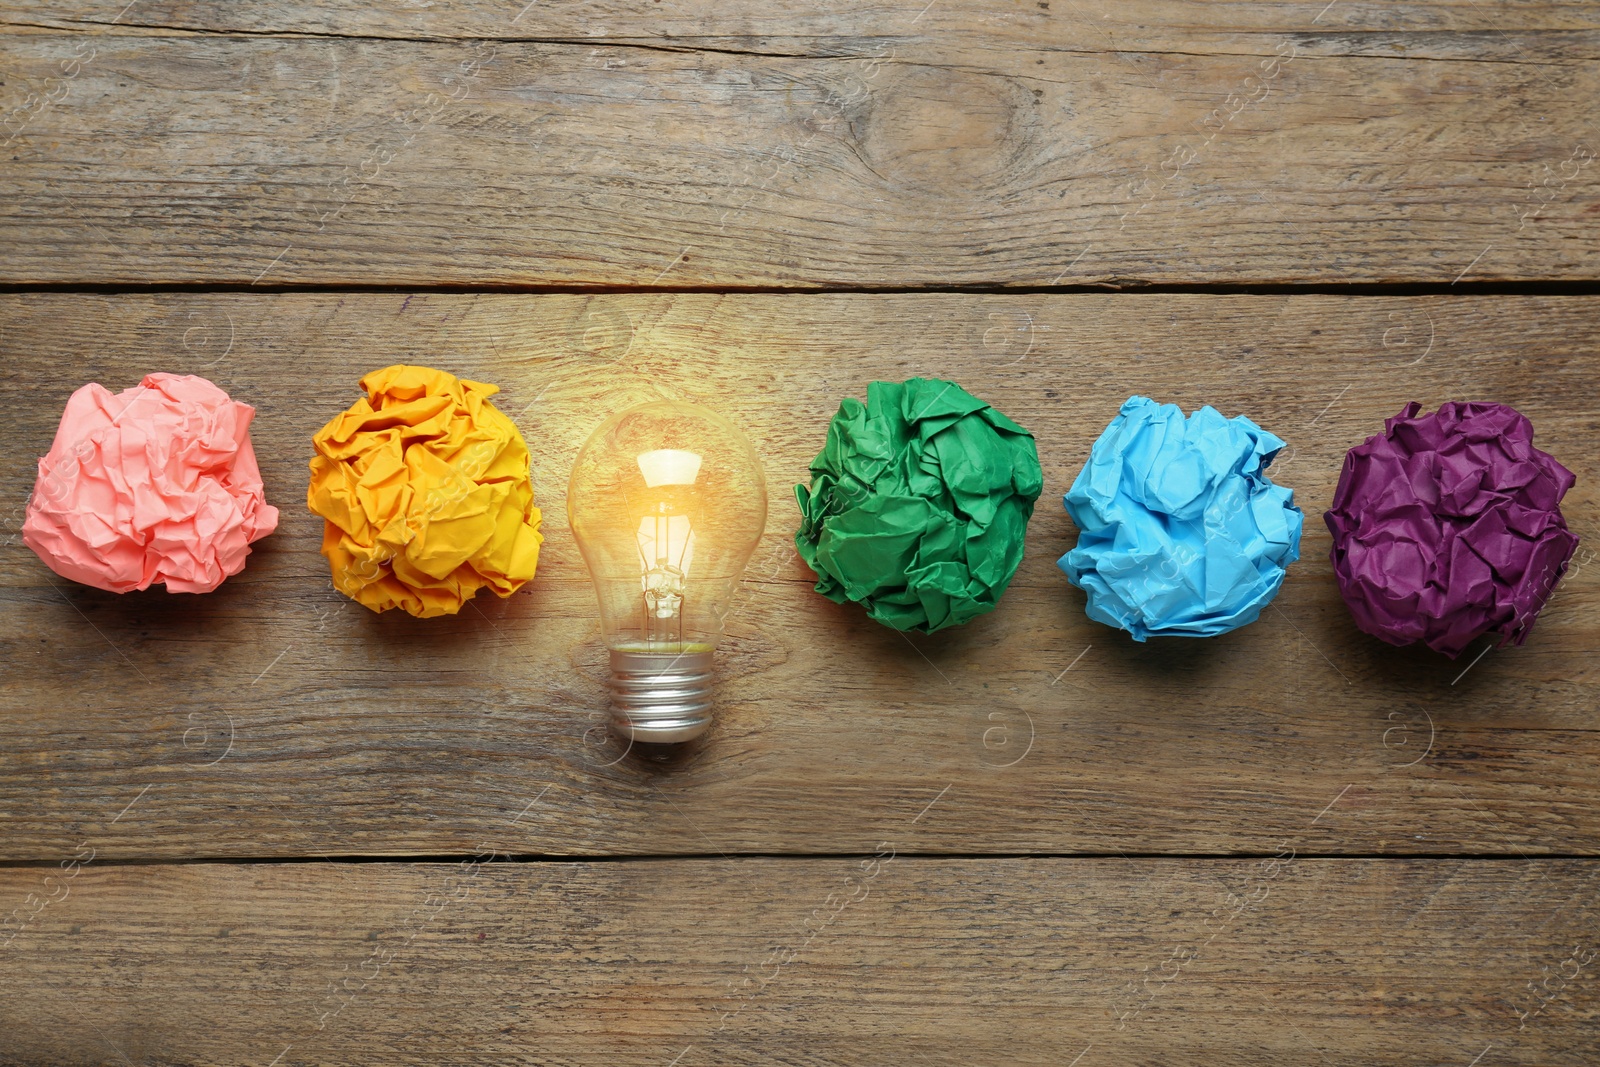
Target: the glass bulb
pixel 667 501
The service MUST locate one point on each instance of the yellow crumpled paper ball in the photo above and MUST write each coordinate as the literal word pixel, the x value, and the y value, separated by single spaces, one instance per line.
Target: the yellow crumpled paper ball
pixel 424 486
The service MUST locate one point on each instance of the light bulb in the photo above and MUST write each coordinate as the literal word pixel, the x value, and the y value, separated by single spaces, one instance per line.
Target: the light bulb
pixel 667 501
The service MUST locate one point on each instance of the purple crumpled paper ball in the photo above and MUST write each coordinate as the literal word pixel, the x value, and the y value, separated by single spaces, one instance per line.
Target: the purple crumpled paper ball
pixel 1448 526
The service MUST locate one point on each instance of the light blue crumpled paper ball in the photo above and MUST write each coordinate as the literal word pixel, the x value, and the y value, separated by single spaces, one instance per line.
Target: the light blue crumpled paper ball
pixel 1181 533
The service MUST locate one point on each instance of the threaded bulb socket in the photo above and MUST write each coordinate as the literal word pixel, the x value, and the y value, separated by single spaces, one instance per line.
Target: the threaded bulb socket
pixel 661 697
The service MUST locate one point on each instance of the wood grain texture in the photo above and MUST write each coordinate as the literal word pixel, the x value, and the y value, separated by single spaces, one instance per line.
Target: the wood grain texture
pixel 846 145
pixel 820 961
pixel 276 718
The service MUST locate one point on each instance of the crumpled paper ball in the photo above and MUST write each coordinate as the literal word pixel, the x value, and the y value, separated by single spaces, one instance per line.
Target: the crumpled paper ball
pixel 424 485
pixel 153 484
pixel 1180 531
pixel 918 504
pixel 1448 526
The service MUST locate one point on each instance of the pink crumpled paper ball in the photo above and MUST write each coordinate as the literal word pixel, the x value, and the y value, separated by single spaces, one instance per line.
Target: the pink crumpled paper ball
pixel 154 484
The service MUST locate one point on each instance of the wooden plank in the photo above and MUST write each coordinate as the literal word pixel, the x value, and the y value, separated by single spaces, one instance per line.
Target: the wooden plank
pixel 276 718
pixel 698 144
pixel 815 961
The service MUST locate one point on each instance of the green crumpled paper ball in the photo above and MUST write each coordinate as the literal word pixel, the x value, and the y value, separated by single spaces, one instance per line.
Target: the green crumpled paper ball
pixel 918 504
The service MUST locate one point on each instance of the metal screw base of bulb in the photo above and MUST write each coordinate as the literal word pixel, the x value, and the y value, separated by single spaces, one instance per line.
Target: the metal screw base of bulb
pixel 661 697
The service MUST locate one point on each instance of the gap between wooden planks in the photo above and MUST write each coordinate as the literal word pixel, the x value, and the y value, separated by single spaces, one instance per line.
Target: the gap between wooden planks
pixel 699 144
pixel 276 718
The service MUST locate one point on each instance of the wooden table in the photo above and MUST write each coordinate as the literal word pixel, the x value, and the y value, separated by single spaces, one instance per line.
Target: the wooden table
pixel 267 826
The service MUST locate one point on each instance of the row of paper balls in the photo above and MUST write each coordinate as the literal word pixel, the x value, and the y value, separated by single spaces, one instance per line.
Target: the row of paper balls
pixel 1446 526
